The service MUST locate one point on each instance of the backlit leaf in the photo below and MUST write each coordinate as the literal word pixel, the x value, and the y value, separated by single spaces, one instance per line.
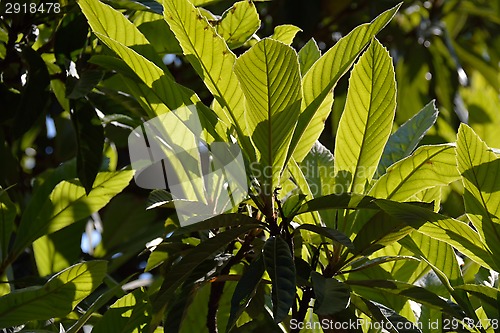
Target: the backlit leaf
pixel 323 76
pixel 270 80
pixel 238 23
pixel 366 122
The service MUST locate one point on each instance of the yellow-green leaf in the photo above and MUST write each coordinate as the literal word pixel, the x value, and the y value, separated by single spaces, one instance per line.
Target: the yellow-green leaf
pixel 270 79
pixel 367 120
pixel 238 23
pixel 323 76
pixel 285 33
pixel 480 170
pixel 427 167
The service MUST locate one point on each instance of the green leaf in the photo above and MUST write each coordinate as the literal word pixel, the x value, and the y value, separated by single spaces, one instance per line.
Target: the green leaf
pixel 427 167
pixel 480 170
pixel 270 79
pixel 281 268
pixel 238 24
pixel 322 77
pixel 90 140
pixel 332 296
pixel 7 216
pixel 69 203
pixel 245 289
pixel 285 33
pixel 333 234
pixel 402 143
pixel 211 59
pixel 366 122
pixel 308 55
pixel 451 231
pixel 181 270
pixel 56 298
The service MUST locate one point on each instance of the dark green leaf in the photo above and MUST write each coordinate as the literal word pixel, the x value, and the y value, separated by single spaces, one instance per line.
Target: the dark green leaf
pixel 332 296
pixel 335 201
pixel 84 85
pixel 90 140
pixel 333 234
pixel 281 268
pixel 35 94
pixel 408 291
pixel 181 270
pixel 219 221
pixel 245 289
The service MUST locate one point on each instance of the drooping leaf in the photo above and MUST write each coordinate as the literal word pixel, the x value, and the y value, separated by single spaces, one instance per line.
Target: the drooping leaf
pixel 333 234
pixel 281 268
pixel 480 170
pixel 427 167
pixel 322 77
pixel 56 298
pixel 219 221
pixel 402 143
pixel 270 80
pixel 366 122
pixel 193 259
pixel 308 55
pixel 238 23
pixel 332 296
pixel 34 96
pixel 90 140
pixel 245 289
pixel 285 33
pixel 338 201
pixel 68 203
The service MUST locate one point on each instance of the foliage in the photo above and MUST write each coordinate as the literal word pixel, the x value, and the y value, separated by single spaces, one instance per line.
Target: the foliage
pixel 359 234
